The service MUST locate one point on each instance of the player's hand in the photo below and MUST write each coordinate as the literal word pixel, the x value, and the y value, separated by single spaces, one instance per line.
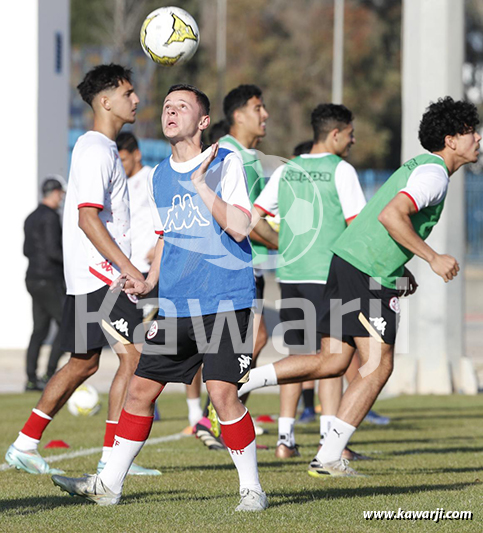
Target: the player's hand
pixel 135 286
pixel 198 176
pixel 445 266
pixel 407 285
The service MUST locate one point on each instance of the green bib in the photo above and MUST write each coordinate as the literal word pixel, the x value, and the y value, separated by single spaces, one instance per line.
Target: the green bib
pixel 367 244
pixel 255 183
pixel 311 218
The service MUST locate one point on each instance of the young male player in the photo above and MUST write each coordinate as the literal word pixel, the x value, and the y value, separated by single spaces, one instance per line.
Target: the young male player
pixel 247 115
pixel 96 244
pixel 202 214
pixel 143 240
pixel 370 257
pixel 329 197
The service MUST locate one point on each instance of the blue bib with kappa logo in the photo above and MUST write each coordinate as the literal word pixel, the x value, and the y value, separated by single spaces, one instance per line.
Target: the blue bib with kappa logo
pixel 200 261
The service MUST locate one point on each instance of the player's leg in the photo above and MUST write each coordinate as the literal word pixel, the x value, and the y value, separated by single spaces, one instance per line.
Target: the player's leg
pixel 308 396
pixel 193 400
pixel 223 368
pixel 289 397
pixel 55 305
pixel 41 320
pixel 330 394
pixel 238 434
pixel 132 432
pixel 23 452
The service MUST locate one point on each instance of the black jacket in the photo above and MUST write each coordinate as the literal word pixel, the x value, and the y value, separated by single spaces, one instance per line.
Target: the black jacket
pixel 43 245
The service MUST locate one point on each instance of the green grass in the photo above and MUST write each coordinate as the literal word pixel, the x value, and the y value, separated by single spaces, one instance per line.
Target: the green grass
pixel 430 456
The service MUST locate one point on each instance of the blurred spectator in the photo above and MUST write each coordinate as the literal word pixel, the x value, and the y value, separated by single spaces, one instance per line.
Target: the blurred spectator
pixel 45 277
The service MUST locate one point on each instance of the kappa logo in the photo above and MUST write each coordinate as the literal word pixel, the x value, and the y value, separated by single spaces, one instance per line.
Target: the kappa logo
pixel 121 325
pixel 244 361
pixel 106 265
pixel 394 305
pixel 183 214
pixel 153 330
pixel 379 323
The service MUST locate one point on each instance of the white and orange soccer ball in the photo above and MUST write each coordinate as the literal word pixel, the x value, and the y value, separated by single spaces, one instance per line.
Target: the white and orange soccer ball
pixel 170 36
pixel 84 402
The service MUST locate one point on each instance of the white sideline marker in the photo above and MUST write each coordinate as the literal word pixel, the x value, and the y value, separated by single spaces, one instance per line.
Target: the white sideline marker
pixel 92 451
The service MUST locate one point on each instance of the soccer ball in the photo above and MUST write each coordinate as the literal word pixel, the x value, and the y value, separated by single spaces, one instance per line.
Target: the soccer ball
pixel 170 36
pixel 84 402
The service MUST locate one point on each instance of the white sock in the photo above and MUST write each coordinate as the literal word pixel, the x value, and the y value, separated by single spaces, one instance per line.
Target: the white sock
pixel 122 455
pixel 195 413
pixel 335 442
pixel 326 422
pixel 286 433
pixel 263 376
pixel 25 443
pixel 246 465
pixel 106 453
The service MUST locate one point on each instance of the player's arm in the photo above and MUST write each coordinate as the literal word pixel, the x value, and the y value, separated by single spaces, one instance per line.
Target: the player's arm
pixel 263 228
pixel 396 218
pixel 144 287
pixel 91 225
pixel 270 245
pixel 233 220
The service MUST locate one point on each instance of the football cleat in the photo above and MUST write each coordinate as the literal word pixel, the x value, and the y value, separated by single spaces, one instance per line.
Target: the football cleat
pixel 307 416
pixel 89 487
pixel 338 468
pixel 282 451
pixel 251 500
pixel 135 470
pixel 31 462
pixel 207 438
pixel 375 418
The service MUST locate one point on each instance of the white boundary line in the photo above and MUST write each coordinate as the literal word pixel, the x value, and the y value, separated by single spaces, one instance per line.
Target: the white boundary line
pixel 92 451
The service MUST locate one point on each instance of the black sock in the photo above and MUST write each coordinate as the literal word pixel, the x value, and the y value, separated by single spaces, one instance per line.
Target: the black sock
pixel 308 396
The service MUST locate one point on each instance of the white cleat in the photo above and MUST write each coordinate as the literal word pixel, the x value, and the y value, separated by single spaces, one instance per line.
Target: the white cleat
pixel 251 500
pixel 89 487
pixel 31 462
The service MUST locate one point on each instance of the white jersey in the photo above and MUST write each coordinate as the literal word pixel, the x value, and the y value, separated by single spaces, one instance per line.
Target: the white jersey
pixel 143 237
pixel 97 179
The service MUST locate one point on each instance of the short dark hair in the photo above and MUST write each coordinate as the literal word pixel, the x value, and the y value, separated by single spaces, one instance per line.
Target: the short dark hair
pixel 446 117
pixel 238 98
pixel 303 148
pixel 51 184
pixel 218 130
pixel 327 117
pixel 201 97
pixel 127 141
pixel 101 78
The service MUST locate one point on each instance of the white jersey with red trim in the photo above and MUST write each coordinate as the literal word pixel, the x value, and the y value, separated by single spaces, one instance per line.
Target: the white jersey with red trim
pixel 97 179
pixel 143 238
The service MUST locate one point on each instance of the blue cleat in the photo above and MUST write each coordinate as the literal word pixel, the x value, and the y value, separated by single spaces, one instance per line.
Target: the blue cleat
pixel 135 470
pixel 31 462
pixel 307 416
pixel 374 418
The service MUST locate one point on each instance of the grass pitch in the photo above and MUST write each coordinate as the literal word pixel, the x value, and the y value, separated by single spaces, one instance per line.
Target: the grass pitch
pixel 429 457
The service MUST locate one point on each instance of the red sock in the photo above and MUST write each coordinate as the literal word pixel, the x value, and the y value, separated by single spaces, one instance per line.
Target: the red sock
pixel 110 433
pixel 35 426
pixel 239 435
pixel 134 427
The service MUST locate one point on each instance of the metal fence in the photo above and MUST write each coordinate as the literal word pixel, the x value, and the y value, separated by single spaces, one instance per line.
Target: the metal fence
pixel 155 151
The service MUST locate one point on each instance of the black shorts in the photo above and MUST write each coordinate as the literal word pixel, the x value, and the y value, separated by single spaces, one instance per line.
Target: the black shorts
pixel 260 287
pixel 306 339
pixel 370 309
pixel 191 341
pixel 111 326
